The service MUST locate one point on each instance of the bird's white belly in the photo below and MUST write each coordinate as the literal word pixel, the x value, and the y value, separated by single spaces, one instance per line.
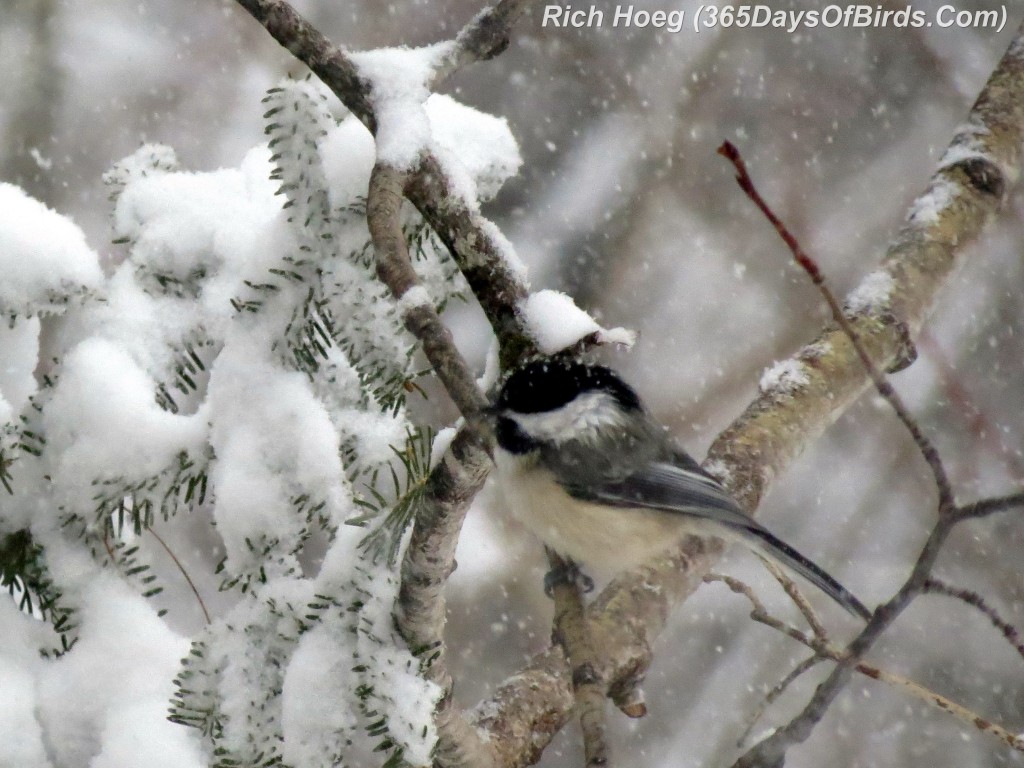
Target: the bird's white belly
pixel 612 538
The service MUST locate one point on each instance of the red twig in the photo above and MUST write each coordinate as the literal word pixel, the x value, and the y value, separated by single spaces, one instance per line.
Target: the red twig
pixel 947 502
pixel 729 151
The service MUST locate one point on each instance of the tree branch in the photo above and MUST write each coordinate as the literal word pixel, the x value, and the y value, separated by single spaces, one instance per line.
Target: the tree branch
pixel 486 36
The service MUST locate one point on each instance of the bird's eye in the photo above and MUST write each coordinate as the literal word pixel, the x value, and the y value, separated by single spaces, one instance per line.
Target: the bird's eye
pixel 512 438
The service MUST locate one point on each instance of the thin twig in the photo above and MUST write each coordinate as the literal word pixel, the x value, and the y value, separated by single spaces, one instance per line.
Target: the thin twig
pixel 945 704
pixel 777 690
pixel 991 506
pixel 933 586
pixel 826 650
pixel 798 598
pixel 758 612
pixel 177 563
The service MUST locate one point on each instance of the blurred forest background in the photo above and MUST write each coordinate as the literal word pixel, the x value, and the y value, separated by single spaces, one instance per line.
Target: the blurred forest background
pixel 623 203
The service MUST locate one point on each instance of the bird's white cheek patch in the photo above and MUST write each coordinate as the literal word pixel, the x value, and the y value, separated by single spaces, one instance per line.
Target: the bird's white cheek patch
pixel 579 419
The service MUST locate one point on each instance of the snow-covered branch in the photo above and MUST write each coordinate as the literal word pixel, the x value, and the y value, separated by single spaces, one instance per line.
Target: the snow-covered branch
pixel 483 254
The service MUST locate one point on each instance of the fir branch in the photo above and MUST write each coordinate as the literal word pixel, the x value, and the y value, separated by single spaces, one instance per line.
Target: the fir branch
pixel 25 575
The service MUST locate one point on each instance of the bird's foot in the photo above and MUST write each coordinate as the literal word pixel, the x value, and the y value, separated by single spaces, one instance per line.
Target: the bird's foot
pixel 567 573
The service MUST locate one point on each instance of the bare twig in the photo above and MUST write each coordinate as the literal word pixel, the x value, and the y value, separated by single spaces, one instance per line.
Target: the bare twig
pixel 933 586
pixel 777 690
pixel 759 613
pixel 794 593
pixel 945 704
pixel 827 651
pixel 180 567
pixel 991 506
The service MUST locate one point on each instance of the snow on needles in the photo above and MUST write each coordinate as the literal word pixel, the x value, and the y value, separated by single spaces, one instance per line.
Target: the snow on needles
pixel 44 259
pixel 241 341
pixel 103 424
pixel 274 442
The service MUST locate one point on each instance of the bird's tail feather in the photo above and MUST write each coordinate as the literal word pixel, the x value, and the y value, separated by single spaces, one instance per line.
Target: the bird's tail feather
pixel 779 551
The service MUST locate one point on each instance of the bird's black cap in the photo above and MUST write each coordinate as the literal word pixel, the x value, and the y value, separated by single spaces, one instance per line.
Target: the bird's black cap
pixel 545 385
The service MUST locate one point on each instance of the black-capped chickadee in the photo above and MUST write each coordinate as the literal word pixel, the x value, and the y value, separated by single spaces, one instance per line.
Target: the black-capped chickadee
pixel 587 469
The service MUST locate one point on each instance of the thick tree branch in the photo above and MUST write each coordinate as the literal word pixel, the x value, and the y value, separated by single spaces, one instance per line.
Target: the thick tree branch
pixel 430 556
pixel 327 61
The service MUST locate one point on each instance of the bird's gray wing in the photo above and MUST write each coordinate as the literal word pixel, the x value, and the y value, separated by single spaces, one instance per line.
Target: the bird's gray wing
pixel 687 490
pixel 671 488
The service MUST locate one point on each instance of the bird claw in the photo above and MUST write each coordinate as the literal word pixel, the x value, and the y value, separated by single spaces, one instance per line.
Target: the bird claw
pixel 567 573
